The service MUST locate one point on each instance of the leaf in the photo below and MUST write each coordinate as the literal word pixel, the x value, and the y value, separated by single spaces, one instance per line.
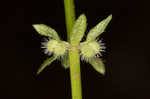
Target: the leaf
pixel 65 61
pixel 45 64
pixel 78 29
pixel 45 30
pixel 98 29
pixel 98 65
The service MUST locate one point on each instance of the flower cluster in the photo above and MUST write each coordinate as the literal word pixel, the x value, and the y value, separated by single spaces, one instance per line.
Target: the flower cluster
pixel 90 49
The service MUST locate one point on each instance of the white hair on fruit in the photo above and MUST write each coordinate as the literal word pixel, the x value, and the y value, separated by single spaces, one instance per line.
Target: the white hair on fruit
pixel 102 45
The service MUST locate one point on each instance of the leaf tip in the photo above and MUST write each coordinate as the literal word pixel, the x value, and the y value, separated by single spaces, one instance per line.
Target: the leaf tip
pixel 37 26
pixel 34 25
pixel 37 73
pixel 109 17
pixel 83 16
pixel 102 71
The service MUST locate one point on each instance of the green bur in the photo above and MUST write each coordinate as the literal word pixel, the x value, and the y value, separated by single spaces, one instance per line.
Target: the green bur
pixel 58 48
pixel 89 49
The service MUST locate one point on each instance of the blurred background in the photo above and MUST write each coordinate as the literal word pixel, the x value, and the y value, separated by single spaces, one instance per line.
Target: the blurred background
pixel 127 54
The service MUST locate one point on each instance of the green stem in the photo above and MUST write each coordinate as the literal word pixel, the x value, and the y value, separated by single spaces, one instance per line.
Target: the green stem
pixel 74 58
pixel 75 72
pixel 69 15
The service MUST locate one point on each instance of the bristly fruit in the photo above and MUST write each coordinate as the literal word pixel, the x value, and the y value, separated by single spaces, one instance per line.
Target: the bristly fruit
pixel 90 49
pixel 58 48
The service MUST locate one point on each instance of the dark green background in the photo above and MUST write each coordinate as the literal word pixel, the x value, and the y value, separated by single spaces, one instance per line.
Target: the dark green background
pixel 127 56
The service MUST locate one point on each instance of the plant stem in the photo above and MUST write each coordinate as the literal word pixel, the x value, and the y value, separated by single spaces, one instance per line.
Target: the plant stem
pixel 74 58
pixel 69 15
pixel 75 72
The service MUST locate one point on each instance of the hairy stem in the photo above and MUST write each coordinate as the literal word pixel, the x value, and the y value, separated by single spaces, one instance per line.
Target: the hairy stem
pixel 74 58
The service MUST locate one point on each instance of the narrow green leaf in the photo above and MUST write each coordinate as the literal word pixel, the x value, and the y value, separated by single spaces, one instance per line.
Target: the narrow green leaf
pixel 45 64
pixel 65 61
pixel 45 30
pixel 98 29
pixel 78 29
pixel 98 65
